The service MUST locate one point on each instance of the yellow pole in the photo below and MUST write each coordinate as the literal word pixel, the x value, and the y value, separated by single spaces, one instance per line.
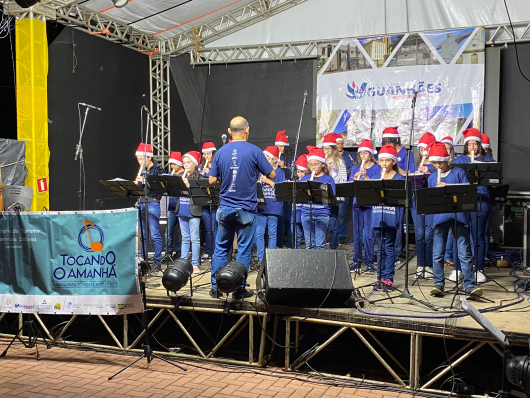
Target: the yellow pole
pixel 32 105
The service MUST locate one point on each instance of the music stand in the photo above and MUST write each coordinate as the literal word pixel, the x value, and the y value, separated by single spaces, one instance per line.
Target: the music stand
pixel 383 193
pixel 307 192
pixel 480 173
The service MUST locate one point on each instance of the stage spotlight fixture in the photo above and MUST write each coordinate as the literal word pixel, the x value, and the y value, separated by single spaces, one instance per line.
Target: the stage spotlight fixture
pixel 231 277
pixel 26 3
pixel 120 3
pixel 518 371
pixel 177 276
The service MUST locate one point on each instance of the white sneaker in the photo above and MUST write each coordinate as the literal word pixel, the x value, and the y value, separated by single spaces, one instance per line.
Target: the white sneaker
pixel 452 277
pixel 205 256
pixel 481 278
pixel 419 272
pixel 428 273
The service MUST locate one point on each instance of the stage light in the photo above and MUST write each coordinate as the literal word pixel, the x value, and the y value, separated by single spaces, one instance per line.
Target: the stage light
pixel 26 3
pixel 231 277
pixel 176 276
pixel 518 371
pixel 120 3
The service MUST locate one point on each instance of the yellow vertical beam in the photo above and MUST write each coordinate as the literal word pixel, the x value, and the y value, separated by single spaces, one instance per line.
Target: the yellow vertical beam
pixel 32 103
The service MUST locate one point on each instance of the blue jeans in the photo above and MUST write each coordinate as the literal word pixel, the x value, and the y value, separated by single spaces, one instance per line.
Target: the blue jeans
pixel 191 232
pixel 315 227
pixel 333 232
pixel 449 247
pixel 343 208
pixel 423 233
pixel 210 227
pixel 299 235
pixel 173 226
pixel 386 252
pixel 153 210
pixel 231 222
pixel 483 215
pixel 441 231
pixel 264 222
pixel 362 221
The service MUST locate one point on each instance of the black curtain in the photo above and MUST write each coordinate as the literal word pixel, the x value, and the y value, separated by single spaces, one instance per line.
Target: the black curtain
pixel 268 94
pixel 514 134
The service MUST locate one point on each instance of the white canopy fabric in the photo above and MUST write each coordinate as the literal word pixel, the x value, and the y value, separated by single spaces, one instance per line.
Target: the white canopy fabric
pixel 164 18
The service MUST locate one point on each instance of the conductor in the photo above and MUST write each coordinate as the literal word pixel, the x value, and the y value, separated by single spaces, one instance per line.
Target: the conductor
pixel 234 168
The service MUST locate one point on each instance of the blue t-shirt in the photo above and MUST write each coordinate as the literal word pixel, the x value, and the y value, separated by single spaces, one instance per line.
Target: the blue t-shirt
pixel 482 190
pixel 236 165
pixel 388 216
pixel 347 157
pixel 454 176
pixel 184 208
pixel 373 173
pixel 318 210
pixel 272 207
pixel 402 161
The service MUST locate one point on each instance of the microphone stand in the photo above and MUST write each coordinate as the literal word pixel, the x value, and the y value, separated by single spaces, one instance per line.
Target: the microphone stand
pixel 79 153
pixel 408 149
pixel 293 171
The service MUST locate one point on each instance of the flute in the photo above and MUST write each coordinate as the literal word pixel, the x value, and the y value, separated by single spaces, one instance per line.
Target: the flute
pixel 362 167
pixel 439 176
pixel 312 176
pixel 472 156
pixel 423 160
pixel 383 174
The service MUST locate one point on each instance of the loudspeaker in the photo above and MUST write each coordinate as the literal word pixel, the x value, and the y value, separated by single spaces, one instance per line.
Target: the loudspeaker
pixel 305 277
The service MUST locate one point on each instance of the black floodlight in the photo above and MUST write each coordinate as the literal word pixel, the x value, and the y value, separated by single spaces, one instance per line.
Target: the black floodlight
pixel 231 277
pixel 120 3
pixel 177 276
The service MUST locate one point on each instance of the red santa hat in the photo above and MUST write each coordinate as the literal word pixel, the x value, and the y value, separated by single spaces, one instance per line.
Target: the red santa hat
pixel 438 152
pixel 426 139
pixel 281 138
pixel 315 153
pixel 146 149
pixel 194 156
pixel 367 146
pixel 339 137
pixel 175 158
pixel 447 140
pixel 329 140
pixel 391 132
pixel 388 151
pixel 485 140
pixel 272 152
pixel 472 135
pixel 208 147
pixel 301 162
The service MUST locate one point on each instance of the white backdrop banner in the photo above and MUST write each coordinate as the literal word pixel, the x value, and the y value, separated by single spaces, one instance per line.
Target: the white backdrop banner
pixel 365 85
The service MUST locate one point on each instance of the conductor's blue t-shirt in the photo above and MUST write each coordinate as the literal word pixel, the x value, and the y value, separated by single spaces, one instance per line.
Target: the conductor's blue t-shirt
pixel 236 164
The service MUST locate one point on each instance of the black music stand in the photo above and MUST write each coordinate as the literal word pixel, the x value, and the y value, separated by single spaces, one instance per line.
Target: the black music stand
pixel 384 193
pixel 483 173
pixel 306 192
pixel 457 198
pixel 122 188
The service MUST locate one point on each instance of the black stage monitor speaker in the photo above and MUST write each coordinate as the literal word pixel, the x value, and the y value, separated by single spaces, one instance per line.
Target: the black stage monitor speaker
pixel 306 277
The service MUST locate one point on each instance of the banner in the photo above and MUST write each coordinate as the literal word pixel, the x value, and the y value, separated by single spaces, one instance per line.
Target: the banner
pixel 69 262
pixel 365 85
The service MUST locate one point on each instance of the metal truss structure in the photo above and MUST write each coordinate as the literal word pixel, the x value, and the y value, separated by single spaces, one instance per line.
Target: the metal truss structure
pixel 500 34
pixel 159 84
pixel 226 24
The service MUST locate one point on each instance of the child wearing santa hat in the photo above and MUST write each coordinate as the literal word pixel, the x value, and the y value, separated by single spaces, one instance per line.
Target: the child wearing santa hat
pixel 147 168
pixel 189 214
pixel 208 214
pixel 175 163
pixel 284 161
pixel 366 168
pixel 269 214
pixel 386 220
pixel 445 222
pixel 315 218
pixel 301 170
pixel 473 151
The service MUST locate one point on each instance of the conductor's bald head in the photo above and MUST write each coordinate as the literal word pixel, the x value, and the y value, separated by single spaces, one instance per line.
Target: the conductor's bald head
pixel 238 128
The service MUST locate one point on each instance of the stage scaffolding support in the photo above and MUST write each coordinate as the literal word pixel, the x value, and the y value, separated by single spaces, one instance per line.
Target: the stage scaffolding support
pixel 159 84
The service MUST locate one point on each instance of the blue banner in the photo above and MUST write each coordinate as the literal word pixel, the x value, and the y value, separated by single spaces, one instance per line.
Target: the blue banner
pixel 69 262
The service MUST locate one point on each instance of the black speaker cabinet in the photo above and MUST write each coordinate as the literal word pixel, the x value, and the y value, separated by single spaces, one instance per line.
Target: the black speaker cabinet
pixel 303 278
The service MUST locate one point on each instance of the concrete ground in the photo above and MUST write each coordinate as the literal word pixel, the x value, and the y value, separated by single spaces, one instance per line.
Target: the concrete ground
pixel 63 372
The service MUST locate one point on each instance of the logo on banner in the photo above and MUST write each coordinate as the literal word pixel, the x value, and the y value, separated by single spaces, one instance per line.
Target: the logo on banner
pixel 95 241
pixel 394 90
